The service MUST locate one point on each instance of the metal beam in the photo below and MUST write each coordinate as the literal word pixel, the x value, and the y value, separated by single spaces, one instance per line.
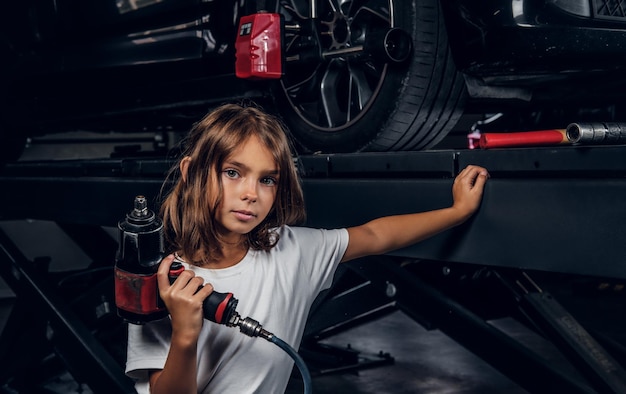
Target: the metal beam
pixel 557 210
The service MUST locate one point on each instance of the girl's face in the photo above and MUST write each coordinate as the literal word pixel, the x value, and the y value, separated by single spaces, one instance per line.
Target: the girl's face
pixel 250 179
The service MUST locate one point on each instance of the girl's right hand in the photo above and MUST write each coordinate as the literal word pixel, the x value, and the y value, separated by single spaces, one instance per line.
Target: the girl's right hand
pixel 183 300
pixel 467 190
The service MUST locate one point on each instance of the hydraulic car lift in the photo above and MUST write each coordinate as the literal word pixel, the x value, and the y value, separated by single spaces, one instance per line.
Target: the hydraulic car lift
pixel 545 210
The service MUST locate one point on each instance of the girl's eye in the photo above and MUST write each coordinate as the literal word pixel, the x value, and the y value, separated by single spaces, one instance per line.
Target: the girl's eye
pixel 231 173
pixel 269 181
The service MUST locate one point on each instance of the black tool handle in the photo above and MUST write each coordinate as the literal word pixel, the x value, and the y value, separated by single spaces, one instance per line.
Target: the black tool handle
pixel 218 307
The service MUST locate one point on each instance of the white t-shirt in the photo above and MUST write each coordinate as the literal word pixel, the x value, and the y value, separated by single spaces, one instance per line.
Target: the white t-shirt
pixel 276 288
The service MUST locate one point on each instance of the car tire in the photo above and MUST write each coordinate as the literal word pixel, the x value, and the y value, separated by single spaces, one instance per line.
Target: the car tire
pixel 408 105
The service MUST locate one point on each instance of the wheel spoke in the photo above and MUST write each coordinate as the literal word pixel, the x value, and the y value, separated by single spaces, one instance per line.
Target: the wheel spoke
pixel 333 110
pixel 334 5
pixel 304 90
pixel 361 91
pixel 299 8
pixel 375 11
pixel 346 7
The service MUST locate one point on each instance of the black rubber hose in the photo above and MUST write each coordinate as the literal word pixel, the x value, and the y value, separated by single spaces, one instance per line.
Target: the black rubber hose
pixel 304 371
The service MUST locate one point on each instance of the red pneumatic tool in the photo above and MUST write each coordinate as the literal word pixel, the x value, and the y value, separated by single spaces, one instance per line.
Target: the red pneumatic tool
pixel 139 254
pixel 137 297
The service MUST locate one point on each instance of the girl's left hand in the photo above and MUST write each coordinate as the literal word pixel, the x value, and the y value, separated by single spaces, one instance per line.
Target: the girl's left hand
pixel 467 190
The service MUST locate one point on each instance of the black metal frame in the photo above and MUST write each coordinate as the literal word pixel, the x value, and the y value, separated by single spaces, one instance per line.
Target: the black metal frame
pixel 40 310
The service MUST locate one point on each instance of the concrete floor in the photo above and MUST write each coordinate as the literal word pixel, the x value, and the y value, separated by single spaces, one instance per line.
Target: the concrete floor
pixel 425 362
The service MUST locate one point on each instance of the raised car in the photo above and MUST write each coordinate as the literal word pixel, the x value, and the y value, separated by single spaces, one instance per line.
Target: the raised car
pixel 362 75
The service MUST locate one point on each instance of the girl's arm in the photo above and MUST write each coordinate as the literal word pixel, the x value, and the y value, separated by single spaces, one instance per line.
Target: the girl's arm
pixel 184 303
pixel 389 233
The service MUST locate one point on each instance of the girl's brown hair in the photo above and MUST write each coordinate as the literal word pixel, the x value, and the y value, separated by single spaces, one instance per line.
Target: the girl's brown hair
pixel 190 207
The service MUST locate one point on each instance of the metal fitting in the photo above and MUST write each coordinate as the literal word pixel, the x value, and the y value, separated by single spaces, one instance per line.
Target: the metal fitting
pixel 253 328
pixel 596 133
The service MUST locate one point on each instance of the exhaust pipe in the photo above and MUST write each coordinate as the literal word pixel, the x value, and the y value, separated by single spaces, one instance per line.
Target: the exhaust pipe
pixel 393 45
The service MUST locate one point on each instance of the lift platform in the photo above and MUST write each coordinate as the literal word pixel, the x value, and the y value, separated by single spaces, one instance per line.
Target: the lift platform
pixel 551 210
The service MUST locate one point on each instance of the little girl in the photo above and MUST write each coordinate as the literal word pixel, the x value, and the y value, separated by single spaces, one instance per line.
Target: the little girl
pixel 230 220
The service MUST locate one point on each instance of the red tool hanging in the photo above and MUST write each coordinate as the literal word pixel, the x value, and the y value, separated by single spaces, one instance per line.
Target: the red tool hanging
pixel 259 47
pixel 520 139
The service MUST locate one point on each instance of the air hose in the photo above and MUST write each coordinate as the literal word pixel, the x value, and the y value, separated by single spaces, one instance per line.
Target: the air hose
pixel 304 371
pixel 220 308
